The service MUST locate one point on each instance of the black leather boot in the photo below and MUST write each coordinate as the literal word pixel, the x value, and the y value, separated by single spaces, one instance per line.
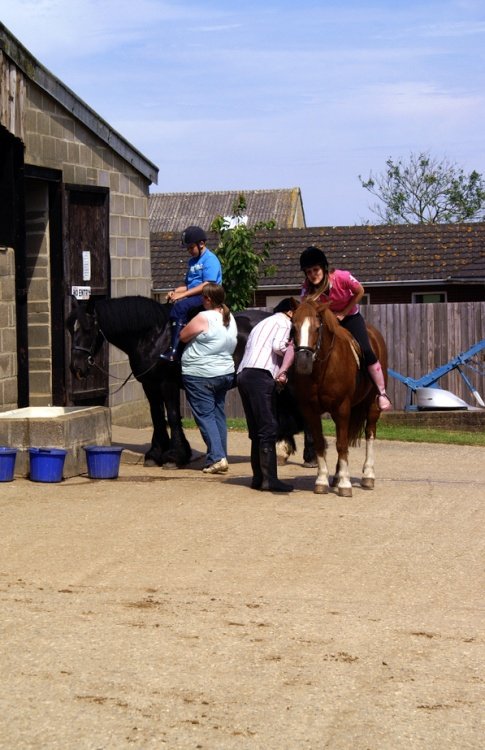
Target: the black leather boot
pixel 171 354
pixel 267 460
pixel 257 479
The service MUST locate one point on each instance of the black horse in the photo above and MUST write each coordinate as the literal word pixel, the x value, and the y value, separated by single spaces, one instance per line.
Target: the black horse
pixel 139 327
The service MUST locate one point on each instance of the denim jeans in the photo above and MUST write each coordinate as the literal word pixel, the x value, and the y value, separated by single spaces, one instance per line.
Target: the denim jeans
pixel 207 397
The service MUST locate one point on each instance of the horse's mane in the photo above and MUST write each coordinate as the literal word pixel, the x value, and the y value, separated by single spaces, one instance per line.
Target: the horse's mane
pixel 130 314
pixel 329 318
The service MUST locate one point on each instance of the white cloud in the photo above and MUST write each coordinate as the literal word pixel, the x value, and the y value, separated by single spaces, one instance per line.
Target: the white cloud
pixel 221 95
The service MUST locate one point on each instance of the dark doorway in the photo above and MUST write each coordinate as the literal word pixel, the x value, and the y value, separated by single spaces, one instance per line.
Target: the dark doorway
pixel 87 271
pixel 12 234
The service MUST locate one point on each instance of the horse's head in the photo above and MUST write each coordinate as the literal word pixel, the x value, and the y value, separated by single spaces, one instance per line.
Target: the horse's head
pixel 308 326
pixel 83 326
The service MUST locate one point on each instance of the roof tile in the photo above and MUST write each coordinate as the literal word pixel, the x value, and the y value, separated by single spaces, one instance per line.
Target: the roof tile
pixel 373 253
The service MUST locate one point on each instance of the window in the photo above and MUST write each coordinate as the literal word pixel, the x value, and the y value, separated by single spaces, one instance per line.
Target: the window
pixel 429 297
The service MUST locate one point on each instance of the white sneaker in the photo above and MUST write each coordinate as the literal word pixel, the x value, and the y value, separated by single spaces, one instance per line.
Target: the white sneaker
pixel 220 467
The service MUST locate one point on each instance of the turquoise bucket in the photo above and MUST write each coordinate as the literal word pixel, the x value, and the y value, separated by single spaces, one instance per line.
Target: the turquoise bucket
pixel 7 463
pixel 46 464
pixel 103 461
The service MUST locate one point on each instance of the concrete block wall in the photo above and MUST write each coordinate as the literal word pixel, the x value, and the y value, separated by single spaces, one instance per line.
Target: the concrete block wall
pixel 56 139
pixel 38 295
pixel 8 337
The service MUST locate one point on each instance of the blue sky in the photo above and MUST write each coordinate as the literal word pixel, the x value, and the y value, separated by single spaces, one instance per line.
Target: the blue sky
pixel 227 95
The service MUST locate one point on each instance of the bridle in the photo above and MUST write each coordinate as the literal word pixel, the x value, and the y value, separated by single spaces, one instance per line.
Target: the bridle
pixel 94 348
pixel 313 354
pixel 315 351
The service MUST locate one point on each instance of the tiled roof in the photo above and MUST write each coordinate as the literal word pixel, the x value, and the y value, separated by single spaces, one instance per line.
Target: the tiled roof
pixel 173 212
pixel 375 254
pixel 474 271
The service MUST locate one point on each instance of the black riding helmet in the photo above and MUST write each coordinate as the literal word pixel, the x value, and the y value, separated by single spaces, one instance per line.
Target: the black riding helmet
pixel 192 236
pixel 313 256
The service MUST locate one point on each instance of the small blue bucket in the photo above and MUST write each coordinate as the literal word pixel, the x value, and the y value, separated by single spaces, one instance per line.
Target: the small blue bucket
pixel 7 463
pixel 103 461
pixel 47 464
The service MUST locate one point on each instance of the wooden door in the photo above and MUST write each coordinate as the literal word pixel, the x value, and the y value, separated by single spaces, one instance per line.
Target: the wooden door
pixel 87 274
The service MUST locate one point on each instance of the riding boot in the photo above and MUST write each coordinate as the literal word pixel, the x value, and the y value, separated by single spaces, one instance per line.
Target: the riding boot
pixel 375 371
pixel 257 479
pixel 267 460
pixel 171 354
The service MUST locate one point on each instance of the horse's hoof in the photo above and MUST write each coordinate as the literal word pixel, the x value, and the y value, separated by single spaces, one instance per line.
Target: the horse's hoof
pixel 169 465
pixel 150 462
pixel 367 483
pixel 309 464
pixel 321 489
pixel 345 491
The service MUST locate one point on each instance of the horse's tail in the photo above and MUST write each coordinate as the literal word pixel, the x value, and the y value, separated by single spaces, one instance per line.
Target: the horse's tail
pixel 358 419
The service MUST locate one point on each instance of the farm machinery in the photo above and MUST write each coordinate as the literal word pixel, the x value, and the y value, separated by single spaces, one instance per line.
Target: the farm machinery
pixel 424 393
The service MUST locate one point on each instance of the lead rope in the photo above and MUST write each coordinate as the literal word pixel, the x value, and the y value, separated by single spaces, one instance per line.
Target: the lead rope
pixel 92 363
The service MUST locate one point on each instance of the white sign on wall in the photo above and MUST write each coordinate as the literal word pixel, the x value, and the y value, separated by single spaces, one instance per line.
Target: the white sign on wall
pixel 81 292
pixel 86 265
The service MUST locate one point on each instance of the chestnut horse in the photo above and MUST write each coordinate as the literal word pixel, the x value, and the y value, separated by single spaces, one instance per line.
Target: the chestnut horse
pixel 329 378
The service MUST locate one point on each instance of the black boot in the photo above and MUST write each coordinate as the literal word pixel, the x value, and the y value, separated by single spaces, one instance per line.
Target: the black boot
pixel 257 479
pixel 267 459
pixel 171 354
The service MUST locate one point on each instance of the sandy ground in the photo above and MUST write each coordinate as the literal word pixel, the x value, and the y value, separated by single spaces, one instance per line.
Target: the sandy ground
pixel 171 609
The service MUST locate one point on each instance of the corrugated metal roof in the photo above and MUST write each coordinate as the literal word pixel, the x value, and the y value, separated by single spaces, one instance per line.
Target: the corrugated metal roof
pixel 173 212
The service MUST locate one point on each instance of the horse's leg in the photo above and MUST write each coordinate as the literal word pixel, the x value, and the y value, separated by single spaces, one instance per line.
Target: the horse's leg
pixel 160 438
pixel 180 451
pixel 342 472
pixel 284 449
pixel 309 455
pixel 368 473
pixel 314 423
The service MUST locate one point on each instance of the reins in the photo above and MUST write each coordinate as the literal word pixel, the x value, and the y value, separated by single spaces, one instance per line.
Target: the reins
pixel 91 362
pixel 316 357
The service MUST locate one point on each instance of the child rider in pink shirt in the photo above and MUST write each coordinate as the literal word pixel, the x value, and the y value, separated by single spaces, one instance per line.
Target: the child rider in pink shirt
pixel 344 293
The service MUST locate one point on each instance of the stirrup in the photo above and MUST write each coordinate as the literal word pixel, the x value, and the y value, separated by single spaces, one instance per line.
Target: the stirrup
pixel 169 356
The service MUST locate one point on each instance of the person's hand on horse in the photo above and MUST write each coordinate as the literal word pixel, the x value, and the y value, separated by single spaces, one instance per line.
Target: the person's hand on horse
pixel 173 296
pixel 281 380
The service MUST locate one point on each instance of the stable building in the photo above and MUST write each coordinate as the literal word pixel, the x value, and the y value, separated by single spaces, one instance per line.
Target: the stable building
pixel 73 220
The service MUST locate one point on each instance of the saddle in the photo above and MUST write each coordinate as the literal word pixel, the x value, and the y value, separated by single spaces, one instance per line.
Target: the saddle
pixel 356 351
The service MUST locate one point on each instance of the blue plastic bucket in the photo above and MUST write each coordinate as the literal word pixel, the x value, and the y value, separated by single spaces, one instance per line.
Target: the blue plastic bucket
pixel 7 463
pixel 46 464
pixel 103 461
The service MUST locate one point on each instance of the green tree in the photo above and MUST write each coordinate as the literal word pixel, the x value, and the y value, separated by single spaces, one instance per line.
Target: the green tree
pixel 426 190
pixel 242 266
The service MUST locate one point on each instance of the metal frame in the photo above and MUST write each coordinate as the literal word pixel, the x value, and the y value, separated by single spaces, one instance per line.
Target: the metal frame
pixel 430 380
